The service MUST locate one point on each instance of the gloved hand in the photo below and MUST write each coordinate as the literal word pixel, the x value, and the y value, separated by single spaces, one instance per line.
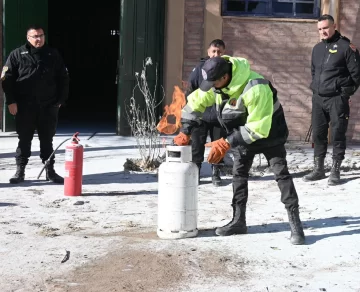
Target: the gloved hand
pixel 218 150
pixel 182 140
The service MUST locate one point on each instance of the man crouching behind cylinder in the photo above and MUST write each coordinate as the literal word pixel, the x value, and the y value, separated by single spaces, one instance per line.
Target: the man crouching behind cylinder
pixel 250 112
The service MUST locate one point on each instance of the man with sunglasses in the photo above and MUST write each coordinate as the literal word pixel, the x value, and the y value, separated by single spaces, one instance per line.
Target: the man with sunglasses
pixel 249 110
pixel 36 83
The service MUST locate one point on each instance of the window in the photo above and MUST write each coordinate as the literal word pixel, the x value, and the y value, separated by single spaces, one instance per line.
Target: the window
pixel 272 8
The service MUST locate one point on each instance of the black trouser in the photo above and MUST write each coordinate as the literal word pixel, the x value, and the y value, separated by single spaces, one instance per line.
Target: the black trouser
pixel 335 110
pixel 30 118
pixel 277 158
pixel 198 139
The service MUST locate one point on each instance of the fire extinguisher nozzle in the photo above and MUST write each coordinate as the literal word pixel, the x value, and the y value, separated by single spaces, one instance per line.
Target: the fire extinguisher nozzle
pixel 75 138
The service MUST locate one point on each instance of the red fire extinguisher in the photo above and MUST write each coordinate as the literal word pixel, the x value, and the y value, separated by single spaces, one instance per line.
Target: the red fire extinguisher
pixel 73 167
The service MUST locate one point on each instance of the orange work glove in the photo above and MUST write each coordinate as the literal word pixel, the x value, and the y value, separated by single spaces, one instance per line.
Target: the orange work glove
pixel 182 140
pixel 218 150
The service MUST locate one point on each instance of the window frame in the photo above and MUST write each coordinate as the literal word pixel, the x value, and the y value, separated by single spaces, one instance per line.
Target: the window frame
pixel 270 14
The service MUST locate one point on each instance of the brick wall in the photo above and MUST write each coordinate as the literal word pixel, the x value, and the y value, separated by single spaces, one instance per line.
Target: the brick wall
pixel 1 63
pixel 350 27
pixel 281 52
pixel 193 35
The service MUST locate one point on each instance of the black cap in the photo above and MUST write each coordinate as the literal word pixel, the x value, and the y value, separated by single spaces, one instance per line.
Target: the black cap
pixel 213 69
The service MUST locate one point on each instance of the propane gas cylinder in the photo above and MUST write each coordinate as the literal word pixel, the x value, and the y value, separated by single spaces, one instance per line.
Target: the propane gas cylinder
pixel 73 167
pixel 177 194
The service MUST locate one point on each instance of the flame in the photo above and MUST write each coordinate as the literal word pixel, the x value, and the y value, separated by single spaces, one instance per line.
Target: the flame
pixel 170 121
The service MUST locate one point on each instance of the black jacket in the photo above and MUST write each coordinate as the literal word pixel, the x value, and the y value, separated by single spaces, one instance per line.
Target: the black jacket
pixel 33 75
pixel 195 79
pixel 335 67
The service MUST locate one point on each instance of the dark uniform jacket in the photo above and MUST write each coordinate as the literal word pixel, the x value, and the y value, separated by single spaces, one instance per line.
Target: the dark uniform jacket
pixel 35 76
pixel 195 79
pixel 335 67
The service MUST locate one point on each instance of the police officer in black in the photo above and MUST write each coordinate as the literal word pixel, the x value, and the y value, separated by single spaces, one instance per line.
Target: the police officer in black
pixel 335 69
pixel 36 84
pixel 210 124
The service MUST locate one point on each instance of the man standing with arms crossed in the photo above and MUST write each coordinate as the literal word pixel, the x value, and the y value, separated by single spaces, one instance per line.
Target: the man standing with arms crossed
pixel 36 84
pixel 335 69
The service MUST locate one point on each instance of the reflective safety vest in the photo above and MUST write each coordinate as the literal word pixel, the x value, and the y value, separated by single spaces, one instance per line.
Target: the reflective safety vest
pixel 248 109
pixel 233 113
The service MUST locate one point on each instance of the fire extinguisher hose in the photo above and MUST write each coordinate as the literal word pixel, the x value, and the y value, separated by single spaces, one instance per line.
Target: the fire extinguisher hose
pixel 52 154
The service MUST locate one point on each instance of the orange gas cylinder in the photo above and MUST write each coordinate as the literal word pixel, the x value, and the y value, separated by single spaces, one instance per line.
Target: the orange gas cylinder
pixel 74 153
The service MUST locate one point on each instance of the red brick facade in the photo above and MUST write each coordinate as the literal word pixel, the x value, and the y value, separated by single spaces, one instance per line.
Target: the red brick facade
pixel 1 62
pixel 281 51
pixel 350 27
pixel 193 35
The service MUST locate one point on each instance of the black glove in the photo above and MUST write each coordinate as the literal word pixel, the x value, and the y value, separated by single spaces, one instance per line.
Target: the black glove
pixel 348 90
pixel 243 150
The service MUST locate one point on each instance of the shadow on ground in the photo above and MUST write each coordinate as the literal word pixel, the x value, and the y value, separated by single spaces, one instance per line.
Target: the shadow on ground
pixel 350 227
pixel 2 204
pixel 62 151
pixel 114 194
pixel 120 177
pixel 27 183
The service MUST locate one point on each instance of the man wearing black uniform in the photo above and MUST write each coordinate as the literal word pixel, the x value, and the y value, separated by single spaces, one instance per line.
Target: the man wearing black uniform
pixel 209 122
pixel 36 84
pixel 335 69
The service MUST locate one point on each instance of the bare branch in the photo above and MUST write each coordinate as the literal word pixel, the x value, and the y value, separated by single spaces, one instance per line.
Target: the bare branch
pixel 143 120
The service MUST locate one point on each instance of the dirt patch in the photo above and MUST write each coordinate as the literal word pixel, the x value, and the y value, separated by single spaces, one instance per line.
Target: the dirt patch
pixel 124 271
pixel 126 233
pixel 36 191
pixel 54 204
pixel 135 268
pixel 140 235
pixel 132 164
pixel 48 231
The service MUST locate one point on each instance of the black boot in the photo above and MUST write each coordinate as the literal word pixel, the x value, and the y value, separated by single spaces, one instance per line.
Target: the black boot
pixel 297 233
pixel 237 225
pixel 19 175
pixel 51 175
pixel 216 179
pixel 334 178
pixel 318 171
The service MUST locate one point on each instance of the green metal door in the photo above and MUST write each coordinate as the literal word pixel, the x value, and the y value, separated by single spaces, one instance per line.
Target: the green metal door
pixel 141 36
pixel 17 16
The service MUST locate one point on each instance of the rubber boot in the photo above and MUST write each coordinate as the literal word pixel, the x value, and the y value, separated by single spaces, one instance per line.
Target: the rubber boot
pixel 297 233
pixel 318 171
pixel 215 177
pixel 19 175
pixel 334 178
pixel 51 175
pixel 237 225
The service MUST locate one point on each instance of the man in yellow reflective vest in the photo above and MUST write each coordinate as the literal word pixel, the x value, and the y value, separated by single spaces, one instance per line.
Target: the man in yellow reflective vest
pixel 250 112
